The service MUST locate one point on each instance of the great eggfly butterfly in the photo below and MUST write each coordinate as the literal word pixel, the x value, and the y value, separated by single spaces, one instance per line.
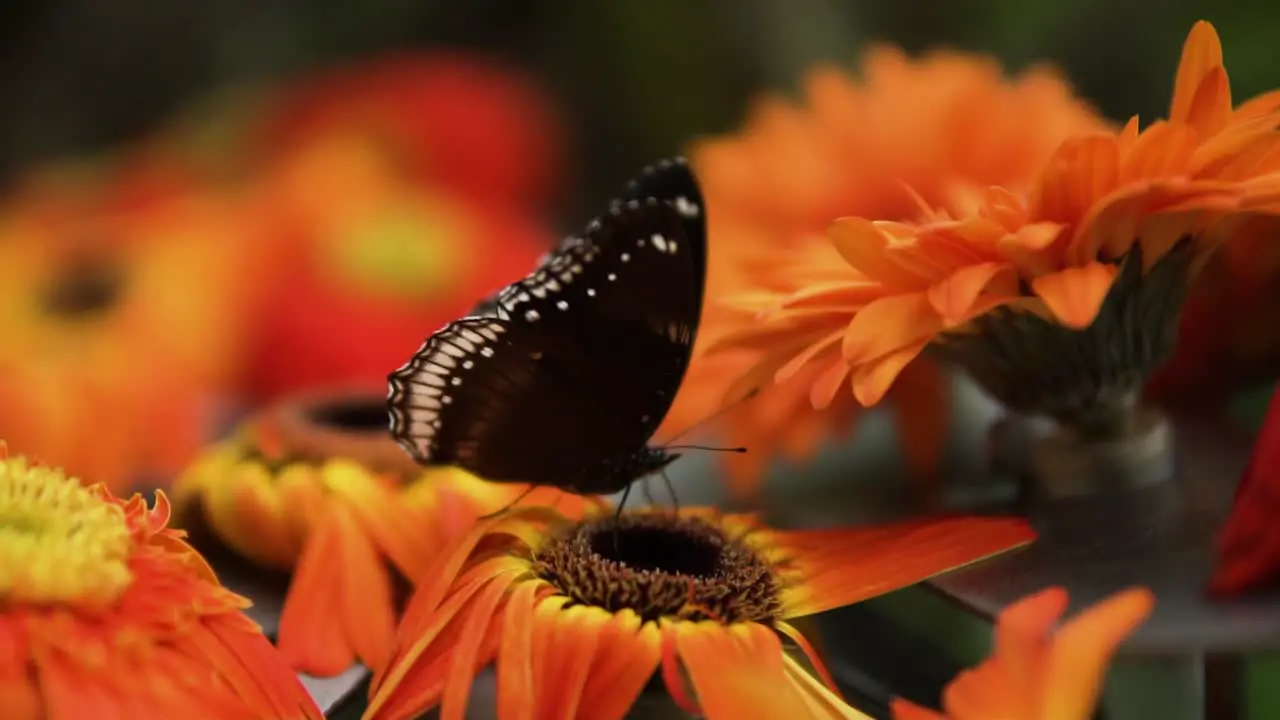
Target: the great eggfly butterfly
pixel 561 378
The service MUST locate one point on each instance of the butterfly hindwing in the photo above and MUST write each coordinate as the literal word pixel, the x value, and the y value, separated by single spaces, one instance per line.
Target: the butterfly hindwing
pixel 572 368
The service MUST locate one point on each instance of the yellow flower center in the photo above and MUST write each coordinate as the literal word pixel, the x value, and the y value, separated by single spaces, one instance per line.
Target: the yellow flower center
pixel 58 542
pixel 406 248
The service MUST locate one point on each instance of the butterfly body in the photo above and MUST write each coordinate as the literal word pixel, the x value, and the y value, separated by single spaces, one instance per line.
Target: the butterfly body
pixel 561 378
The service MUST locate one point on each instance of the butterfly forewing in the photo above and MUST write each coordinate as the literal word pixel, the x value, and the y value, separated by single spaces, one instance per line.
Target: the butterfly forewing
pixel 564 376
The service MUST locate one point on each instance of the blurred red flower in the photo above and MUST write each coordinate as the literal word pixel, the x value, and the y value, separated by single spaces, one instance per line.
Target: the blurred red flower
pixel 366 265
pixel 451 119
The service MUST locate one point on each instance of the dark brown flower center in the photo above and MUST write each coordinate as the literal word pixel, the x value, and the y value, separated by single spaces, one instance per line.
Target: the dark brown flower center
pixel 88 287
pixel 352 415
pixel 660 565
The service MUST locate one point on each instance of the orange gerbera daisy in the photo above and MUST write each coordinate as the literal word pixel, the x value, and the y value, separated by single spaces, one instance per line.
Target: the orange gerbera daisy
pixel 1037 673
pixel 942 124
pixel 579 611
pixel 1008 283
pixel 119 331
pixel 315 486
pixel 107 613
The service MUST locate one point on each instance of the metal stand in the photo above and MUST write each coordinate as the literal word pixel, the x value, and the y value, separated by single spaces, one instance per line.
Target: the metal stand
pixel 1160 535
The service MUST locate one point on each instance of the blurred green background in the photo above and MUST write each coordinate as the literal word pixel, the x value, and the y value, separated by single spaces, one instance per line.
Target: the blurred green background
pixel 634 80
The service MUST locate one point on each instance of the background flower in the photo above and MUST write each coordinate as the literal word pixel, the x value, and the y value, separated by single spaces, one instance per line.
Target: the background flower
pixel 381 260
pixel 84 570
pixel 1051 249
pixel 315 487
pixel 1037 671
pixel 122 326
pixel 939 127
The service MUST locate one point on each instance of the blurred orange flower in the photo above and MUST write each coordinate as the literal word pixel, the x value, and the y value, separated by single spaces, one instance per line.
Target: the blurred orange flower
pixel 315 486
pixel 944 124
pixel 108 613
pixel 580 610
pixel 120 328
pixel 1036 672
pixel 1051 250
pixel 361 254
pixel 446 119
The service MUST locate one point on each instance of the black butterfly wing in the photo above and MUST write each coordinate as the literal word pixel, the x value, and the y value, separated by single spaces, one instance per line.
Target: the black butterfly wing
pixel 575 369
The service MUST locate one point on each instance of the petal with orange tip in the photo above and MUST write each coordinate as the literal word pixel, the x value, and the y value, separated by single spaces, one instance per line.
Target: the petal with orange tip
pixel 867 249
pixel 748 651
pixel 1201 54
pixel 1082 170
pixel 627 653
pixel 311 638
pixel 828 383
pixel 872 380
pixel 890 557
pixel 1082 650
pixel 888 325
pixel 1075 295
pixel 1210 109
pixel 1029 249
pixel 956 298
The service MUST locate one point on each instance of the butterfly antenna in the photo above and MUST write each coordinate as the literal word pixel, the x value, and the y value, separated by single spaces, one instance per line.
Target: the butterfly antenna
pixel 705 447
pixel 617 517
pixel 671 490
pixel 718 413
pixel 507 508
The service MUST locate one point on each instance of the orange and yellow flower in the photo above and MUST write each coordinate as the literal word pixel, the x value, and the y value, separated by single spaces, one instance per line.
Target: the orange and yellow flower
pixel 450 120
pixel 356 247
pixel 578 611
pixel 108 613
pixel 120 329
pixel 1050 248
pixel 1036 672
pixel 347 513
pixel 944 124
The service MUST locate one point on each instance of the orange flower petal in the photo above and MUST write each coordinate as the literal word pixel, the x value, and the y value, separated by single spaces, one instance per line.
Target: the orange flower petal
pixel 1211 107
pixel 1075 295
pixel 368 614
pixel 881 559
pixel 1201 54
pixel 312 637
pixel 749 652
pixel 828 383
pixel 888 325
pixel 1083 648
pixel 627 655
pixel 872 380
pixel 465 660
pixel 865 247
pixel 955 297
pixel 517 693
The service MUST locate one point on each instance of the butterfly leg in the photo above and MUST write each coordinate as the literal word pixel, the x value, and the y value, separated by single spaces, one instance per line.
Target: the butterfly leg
pixel 617 515
pixel 503 510
pixel 671 490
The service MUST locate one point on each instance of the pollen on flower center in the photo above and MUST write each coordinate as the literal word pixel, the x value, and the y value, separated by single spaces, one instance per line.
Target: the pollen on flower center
pixel 59 542
pixel 660 565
